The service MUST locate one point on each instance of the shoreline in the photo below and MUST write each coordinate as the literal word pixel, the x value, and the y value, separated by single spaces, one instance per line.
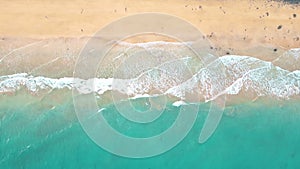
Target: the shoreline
pixel 56 57
pixel 49 35
pixel 45 38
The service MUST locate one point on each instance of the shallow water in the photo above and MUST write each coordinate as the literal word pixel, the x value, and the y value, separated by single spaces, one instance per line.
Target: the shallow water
pixel 39 127
pixel 250 135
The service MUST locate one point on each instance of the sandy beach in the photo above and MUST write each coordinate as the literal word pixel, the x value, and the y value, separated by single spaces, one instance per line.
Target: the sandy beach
pixel 48 35
pixel 249 21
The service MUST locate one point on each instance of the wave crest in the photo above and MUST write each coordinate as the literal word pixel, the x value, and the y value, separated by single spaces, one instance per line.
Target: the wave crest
pixel 230 74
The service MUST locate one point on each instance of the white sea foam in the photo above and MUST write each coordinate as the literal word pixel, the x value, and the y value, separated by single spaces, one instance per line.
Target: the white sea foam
pixel 227 75
pixel 241 72
pixel 179 103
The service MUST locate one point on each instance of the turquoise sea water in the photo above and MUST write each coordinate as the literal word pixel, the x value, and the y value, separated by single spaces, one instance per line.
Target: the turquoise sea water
pixel 39 127
pixel 260 134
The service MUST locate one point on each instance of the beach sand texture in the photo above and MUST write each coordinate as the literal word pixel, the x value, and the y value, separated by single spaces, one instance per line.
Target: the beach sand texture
pixel 52 33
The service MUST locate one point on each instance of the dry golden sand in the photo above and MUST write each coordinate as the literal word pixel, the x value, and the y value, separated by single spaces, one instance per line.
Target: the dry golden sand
pixel 220 18
pixel 243 27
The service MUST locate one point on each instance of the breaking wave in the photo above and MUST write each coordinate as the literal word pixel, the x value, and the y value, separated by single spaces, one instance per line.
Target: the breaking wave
pixel 239 74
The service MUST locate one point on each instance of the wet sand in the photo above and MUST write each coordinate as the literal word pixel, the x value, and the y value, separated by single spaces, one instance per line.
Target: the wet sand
pixel 45 37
